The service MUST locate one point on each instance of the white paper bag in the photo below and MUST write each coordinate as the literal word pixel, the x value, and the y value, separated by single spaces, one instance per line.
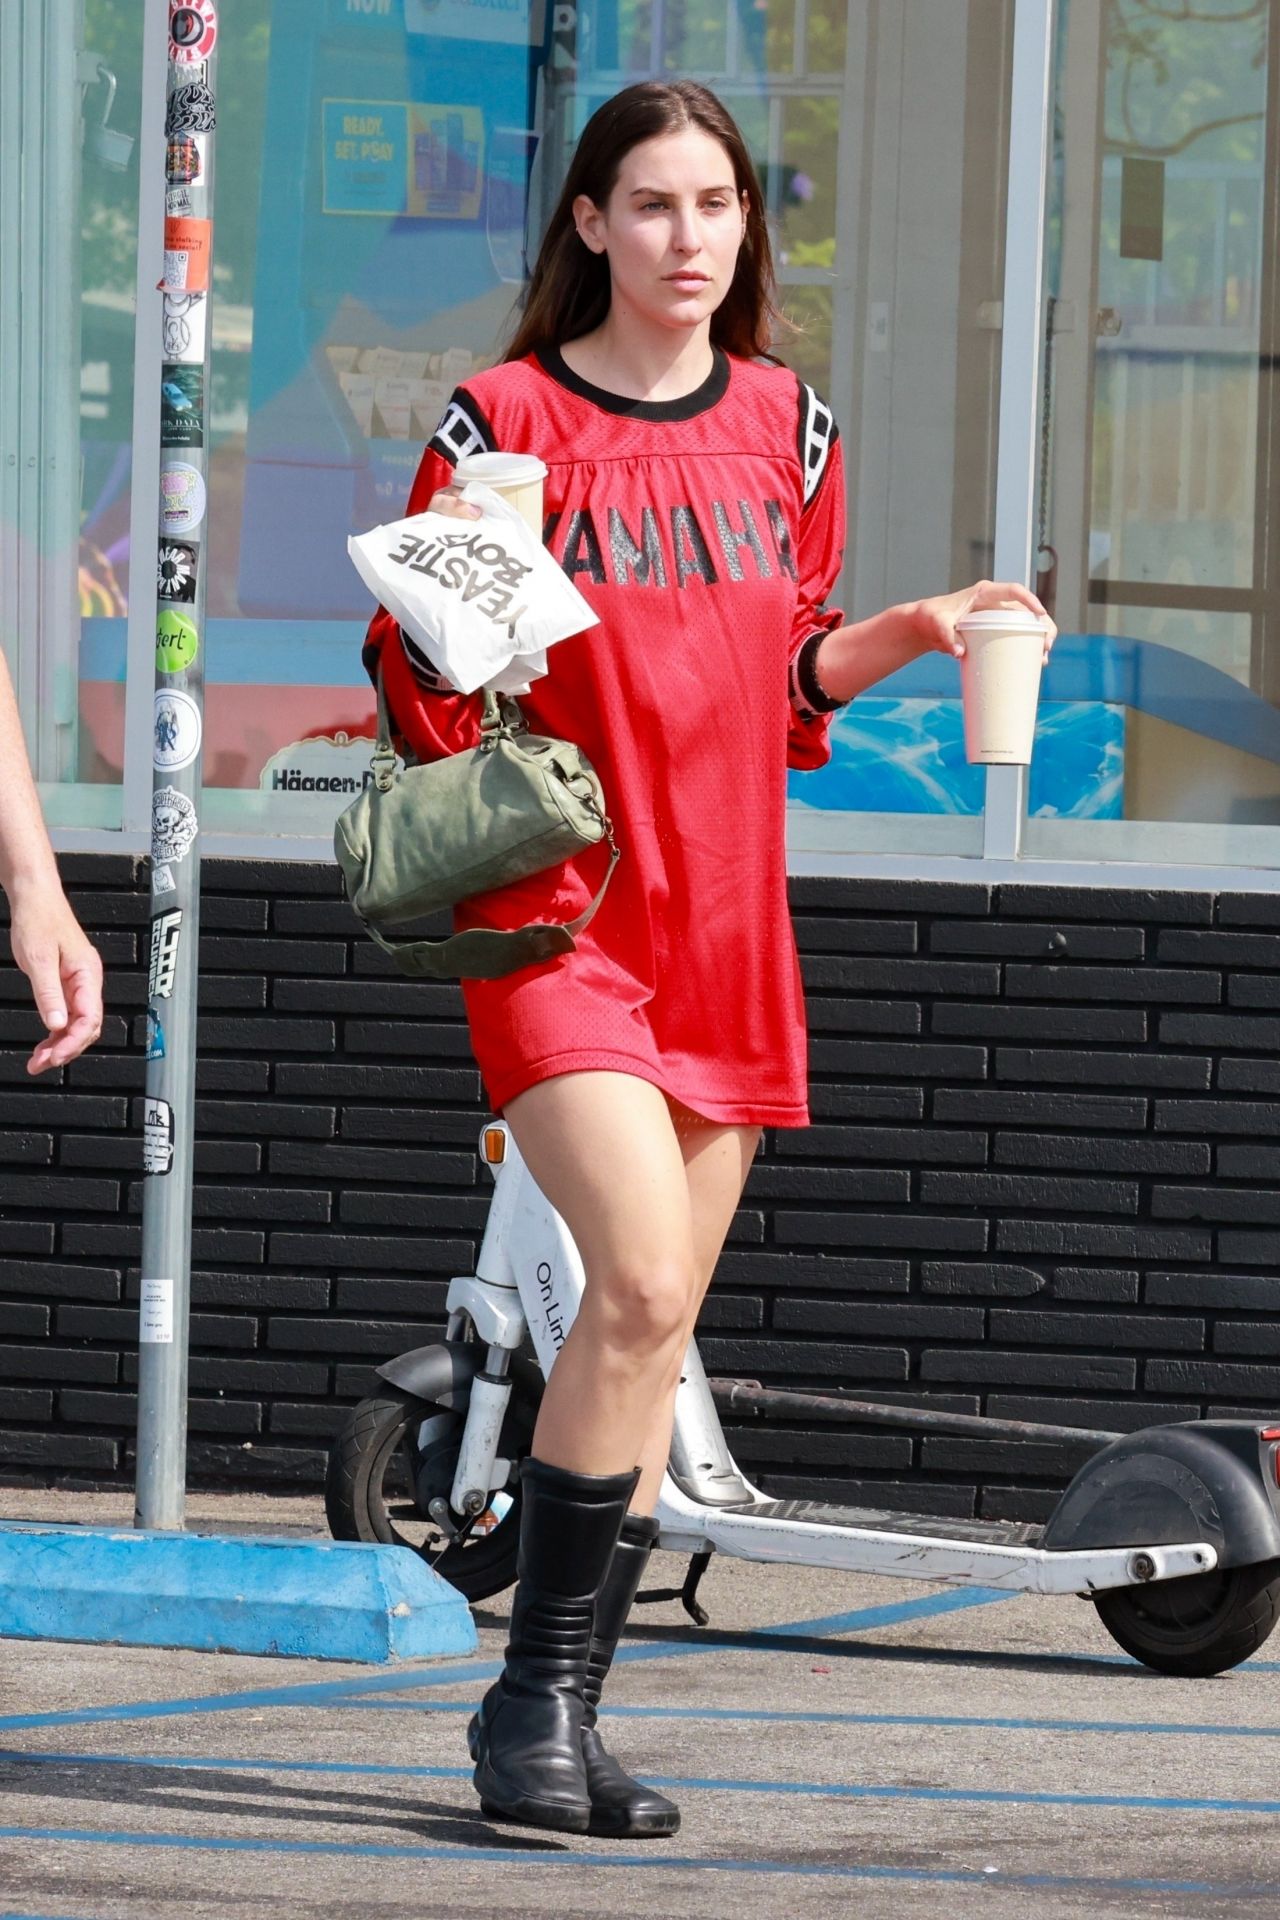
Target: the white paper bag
pixel 481 599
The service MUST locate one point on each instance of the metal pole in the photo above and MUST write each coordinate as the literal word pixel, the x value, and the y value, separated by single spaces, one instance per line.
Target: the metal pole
pixel 178 726
pixel 1032 113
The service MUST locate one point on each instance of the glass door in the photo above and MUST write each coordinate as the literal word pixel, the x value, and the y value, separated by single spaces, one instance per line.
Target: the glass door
pixel 1161 427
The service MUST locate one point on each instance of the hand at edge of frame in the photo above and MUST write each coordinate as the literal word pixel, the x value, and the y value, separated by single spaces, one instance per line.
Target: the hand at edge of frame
pixel 65 972
pixel 935 618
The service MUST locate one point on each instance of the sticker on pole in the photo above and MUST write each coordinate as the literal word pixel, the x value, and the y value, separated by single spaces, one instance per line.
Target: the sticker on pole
pixel 193 29
pixel 176 639
pixel 173 825
pixel 190 109
pixel 183 159
pixel 182 497
pixel 162 880
pixel 184 325
pixel 155 1036
pixel 176 735
pixel 176 567
pixel 155 1313
pixel 187 245
pixel 166 931
pixel 182 406
pixel 157 1136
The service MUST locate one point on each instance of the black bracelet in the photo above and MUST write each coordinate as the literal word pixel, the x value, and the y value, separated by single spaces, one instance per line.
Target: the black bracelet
pixel 811 689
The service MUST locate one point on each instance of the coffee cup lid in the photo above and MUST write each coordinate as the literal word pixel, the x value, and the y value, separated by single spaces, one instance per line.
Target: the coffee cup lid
pixel 500 469
pixel 1000 620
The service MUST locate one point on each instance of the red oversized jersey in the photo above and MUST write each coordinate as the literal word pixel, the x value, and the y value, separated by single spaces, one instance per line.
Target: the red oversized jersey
pixel 706 532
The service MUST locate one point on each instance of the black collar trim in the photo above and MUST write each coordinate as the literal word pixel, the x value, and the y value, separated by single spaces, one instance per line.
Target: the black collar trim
pixel 687 407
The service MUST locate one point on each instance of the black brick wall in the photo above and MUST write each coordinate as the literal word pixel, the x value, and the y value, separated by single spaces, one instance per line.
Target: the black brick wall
pixel 1041 1182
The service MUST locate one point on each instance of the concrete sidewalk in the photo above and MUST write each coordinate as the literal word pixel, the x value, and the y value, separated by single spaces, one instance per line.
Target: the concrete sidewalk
pixel 836 1744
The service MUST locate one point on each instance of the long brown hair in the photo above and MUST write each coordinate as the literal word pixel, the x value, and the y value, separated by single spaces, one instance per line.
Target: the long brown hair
pixel 569 290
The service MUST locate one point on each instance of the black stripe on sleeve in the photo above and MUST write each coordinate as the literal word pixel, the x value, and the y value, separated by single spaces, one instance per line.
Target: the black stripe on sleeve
pixel 816 434
pixel 463 429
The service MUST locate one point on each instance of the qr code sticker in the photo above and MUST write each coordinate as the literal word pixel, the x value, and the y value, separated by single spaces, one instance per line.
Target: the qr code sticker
pixel 175 267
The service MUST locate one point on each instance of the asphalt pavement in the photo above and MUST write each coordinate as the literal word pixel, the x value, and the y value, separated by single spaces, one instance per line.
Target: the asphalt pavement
pixel 837 1744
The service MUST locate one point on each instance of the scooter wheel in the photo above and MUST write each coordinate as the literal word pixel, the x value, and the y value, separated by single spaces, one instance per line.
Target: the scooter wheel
pixel 391 1456
pixel 1196 1626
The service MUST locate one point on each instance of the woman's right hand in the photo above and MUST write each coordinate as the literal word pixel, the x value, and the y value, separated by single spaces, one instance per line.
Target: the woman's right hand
pixel 449 501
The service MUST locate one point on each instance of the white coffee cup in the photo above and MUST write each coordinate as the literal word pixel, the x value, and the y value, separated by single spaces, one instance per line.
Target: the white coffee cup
pixel 1000 684
pixel 518 477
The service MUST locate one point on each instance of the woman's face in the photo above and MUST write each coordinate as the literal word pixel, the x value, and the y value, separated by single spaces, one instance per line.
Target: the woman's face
pixel 671 228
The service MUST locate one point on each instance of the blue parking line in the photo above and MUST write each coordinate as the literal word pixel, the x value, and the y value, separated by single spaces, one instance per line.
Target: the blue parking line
pixel 968 1796
pixel 321 1693
pixel 529 1857
pixel 799 1789
pixel 338 1692
pixel 825 1627
pixel 817 1718
pixel 1126 1660
pixel 1000 1723
pixel 892 1614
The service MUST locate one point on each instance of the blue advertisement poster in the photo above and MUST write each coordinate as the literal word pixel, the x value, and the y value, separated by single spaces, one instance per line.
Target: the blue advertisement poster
pixel 906 755
pixel 397 144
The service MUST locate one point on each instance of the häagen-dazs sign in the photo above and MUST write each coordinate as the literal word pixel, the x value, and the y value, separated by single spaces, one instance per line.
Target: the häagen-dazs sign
pixel 335 764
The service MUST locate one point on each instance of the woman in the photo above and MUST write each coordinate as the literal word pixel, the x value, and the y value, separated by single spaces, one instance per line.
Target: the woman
pixel 695 497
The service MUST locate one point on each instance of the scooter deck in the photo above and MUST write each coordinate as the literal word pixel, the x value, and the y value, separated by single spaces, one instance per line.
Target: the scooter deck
pixel 934 1526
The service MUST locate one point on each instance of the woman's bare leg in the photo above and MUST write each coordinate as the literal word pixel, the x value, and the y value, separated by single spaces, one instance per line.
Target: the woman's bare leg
pixel 604 1151
pixel 717 1161
pixel 647 1193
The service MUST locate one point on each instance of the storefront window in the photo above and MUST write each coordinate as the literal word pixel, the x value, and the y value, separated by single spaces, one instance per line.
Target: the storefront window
pixel 66 390
pixel 1162 511
pixel 387 167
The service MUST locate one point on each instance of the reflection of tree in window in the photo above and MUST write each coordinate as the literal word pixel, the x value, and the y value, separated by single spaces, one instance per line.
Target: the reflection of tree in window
pixel 1187 78
pixel 694 37
pixel 811 132
pixel 1161 46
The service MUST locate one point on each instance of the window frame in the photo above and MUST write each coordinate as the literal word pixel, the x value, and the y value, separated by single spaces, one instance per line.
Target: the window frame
pixel 1005 802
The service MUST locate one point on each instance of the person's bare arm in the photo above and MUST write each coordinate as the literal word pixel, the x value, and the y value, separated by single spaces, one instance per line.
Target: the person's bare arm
pixel 48 942
pixel 851 659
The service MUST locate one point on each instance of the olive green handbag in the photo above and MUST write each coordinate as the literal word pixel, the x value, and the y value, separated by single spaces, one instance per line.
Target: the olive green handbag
pixel 433 835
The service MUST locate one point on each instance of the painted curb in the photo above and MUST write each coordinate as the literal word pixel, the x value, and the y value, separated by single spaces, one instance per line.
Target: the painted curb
pixel 309 1598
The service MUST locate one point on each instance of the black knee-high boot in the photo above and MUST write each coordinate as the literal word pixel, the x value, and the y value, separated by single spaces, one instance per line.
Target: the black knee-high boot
pixel 620 1806
pixel 526 1739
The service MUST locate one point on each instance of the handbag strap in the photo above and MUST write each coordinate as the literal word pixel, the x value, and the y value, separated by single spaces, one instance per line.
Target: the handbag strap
pixel 499 717
pixel 481 953
pixel 486 953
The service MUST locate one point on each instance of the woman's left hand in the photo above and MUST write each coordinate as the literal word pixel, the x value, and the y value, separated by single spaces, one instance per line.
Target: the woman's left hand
pixel 935 619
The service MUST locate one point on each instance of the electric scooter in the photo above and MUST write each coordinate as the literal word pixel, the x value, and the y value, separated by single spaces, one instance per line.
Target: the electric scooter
pixel 1173 1532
